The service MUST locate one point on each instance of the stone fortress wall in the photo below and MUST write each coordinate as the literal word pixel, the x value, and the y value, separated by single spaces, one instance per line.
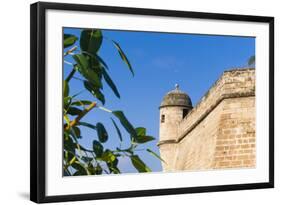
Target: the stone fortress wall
pixel 219 132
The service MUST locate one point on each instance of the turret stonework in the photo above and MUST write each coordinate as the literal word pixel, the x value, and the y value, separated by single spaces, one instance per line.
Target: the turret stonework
pixel 219 132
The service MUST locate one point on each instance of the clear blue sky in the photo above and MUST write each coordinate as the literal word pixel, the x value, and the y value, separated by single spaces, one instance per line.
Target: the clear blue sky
pixel 159 60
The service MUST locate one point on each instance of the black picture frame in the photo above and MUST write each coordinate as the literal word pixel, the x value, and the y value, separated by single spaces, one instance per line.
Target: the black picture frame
pixel 38 103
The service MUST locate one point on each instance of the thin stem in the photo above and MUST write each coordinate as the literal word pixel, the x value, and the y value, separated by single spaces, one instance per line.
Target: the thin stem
pixel 123 151
pixel 84 106
pixel 70 50
pixel 79 117
pixel 105 109
pixel 67 62
pixel 70 75
pixel 76 78
pixel 138 150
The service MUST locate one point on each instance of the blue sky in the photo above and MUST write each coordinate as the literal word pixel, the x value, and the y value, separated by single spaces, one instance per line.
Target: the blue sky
pixel 160 60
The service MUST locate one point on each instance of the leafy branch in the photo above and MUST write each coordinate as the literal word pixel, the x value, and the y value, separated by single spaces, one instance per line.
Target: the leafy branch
pixel 80 116
pixel 93 72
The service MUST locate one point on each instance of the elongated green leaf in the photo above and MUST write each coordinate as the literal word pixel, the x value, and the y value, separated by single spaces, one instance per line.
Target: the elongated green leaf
pixel 93 77
pixel 81 102
pixel 66 102
pixel 110 83
pixel 85 124
pixel 98 94
pixel 95 91
pixel 126 124
pixel 101 61
pixel 144 139
pixel 98 148
pixel 155 155
pixel 81 61
pixel 139 164
pixel 66 118
pixel 102 133
pixel 85 70
pixel 74 111
pixel 141 131
pixel 91 40
pixel 77 132
pixel 74 136
pixel 65 89
pixel 117 130
pixel 123 57
pixel 69 40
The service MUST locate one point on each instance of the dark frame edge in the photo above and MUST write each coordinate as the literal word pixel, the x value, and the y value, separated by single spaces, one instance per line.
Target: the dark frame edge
pixel 37 103
pixel 154 12
pixel 33 103
pixel 271 101
pixel 156 192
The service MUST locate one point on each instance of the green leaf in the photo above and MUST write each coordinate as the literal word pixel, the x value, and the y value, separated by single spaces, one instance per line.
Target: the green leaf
pixel 74 133
pixel 117 130
pixel 98 148
pixel 95 91
pixel 102 133
pixel 139 164
pixel 155 155
pixel 108 156
pixel 82 61
pixel 77 132
pixel 123 56
pixel 65 89
pixel 95 170
pixel 85 124
pixel 67 101
pixel 74 111
pixel 69 145
pixel 81 102
pixel 141 135
pixel 80 168
pixel 93 78
pixel 69 40
pixel 98 94
pixel 101 61
pixel 112 166
pixel 126 124
pixel 141 131
pixel 66 118
pixel 110 83
pixel 85 70
pixel 91 40
pixel 251 60
pixel 144 139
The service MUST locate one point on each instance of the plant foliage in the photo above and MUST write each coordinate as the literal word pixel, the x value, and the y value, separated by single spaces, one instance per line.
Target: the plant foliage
pixel 97 160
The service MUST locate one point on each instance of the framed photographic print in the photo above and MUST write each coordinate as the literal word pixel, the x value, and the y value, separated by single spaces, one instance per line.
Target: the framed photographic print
pixel 129 102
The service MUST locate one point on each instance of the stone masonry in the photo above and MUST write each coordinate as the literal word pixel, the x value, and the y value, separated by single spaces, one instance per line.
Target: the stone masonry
pixel 219 132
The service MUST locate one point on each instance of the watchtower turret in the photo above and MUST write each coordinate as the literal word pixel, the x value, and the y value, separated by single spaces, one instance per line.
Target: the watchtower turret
pixel 174 107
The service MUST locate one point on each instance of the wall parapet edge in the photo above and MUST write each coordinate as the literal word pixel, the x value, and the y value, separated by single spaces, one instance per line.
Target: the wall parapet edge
pixel 235 83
